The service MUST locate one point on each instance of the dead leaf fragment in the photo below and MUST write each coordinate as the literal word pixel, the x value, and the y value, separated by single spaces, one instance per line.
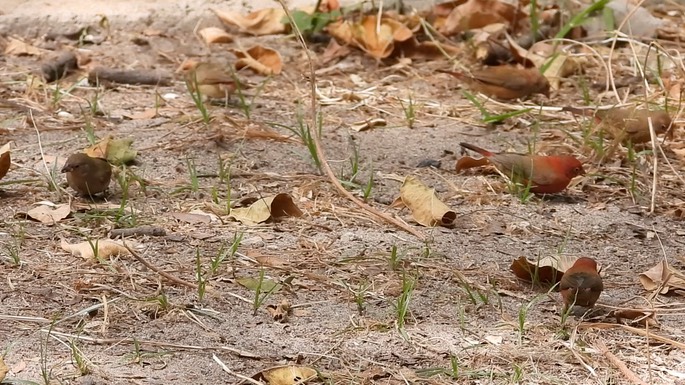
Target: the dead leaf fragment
pixel 17 47
pixel 86 250
pixel 49 213
pixel 274 207
pixel 368 124
pixel 281 312
pixel 635 316
pixel 214 35
pixel 547 270
pixel 3 369
pixel 663 278
pixel 426 208
pixel 266 21
pixel 263 285
pixel 286 375
pixel 116 151
pixel 262 60
pixel 5 160
pixel 477 14
pixel 376 39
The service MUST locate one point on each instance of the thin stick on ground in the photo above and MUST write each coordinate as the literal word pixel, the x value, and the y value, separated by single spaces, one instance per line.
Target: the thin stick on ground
pixel 158 270
pixel 618 363
pixel 319 148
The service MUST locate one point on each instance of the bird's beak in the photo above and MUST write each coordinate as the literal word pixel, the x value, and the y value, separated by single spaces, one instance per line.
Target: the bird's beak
pixel 582 171
pixel 67 168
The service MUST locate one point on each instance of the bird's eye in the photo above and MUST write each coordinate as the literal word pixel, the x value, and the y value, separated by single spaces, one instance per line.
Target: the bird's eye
pixel 576 170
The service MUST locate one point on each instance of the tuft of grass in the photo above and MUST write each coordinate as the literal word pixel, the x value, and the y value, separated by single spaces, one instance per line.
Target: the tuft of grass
pixel 409 111
pixel 403 301
pixel 194 90
pixel 192 175
pixel 78 359
pixel 523 315
pixel 489 118
pixel 304 132
pixel 260 294
pixel 200 277
pixel 225 254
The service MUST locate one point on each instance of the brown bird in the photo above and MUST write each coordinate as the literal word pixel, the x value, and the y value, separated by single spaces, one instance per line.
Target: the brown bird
pixel 211 79
pixel 87 176
pixel 505 82
pixel 629 124
pixel 547 174
pixel 581 285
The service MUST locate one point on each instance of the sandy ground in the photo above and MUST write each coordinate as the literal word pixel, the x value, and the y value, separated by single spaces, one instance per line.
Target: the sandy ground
pixel 470 320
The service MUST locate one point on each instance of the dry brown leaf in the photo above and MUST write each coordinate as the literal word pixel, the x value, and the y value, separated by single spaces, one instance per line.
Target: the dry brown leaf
pixel 143 115
pixel 547 270
pixel 378 40
pixel 116 151
pixel 286 375
pixel 263 60
pixel 281 312
pixel 99 149
pixel 3 369
pixel 5 160
pixel 277 206
pixel 426 49
pixel 635 316
pixel 49 213
pixel 86 250
pixel 192 218
pixel 17 47
pixel 266 21
pixel 270 260
pixel 368 124
pixel 662 277
pixel 334 51
pixel 425 207
pixel 214 35
pixel 477 14
pixel 466 162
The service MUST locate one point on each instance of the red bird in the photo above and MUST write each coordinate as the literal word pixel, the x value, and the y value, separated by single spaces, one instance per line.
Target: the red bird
pixel 581 285
pixel 546 174
pixel 505 82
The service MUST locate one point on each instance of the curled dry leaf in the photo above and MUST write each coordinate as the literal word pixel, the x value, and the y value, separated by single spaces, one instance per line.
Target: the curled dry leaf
pixel 368 124
pixel 635 316
pixel 477 14
pixel 286 375
pixel 267 21
pixel 281 312
pixel 264 285
pixel 277 206
pixel 663 278
pixel 5 160
pixel 17 47
pixel 212 35
pixel 425 207
pixel 547 270
pixel 378 40
pixel 86 250
pixel 49 213
pixel 263 60
pixel 116 151
pixel 3 369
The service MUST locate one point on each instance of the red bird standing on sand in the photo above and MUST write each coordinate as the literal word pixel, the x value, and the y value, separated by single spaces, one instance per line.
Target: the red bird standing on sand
pixel 546 174
pixel 505 82
pixel 581 285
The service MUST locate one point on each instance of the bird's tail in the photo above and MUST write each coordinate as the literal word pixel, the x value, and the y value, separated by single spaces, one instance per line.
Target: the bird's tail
pixel 477 149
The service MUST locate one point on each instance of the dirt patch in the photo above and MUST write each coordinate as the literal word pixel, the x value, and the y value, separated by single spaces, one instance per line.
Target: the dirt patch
pixel 343 271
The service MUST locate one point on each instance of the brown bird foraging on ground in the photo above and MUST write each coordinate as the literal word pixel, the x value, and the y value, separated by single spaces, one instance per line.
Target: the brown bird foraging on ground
pixel 629 124
pixel 211 79
pixel 546 174
pixel 581 285
pixel 505 82
pixel 87 176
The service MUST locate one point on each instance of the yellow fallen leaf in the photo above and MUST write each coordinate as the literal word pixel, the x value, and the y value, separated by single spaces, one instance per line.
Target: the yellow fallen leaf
pixel 263 60
pixel 277 206
pixel 266 21
pixel 19 48
pixel 49 213
pixel 662 277
pixel 5 160
pixel 213 35
pixel 547 270
pixel 425 207
pixel 104 247
pixel 286 375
